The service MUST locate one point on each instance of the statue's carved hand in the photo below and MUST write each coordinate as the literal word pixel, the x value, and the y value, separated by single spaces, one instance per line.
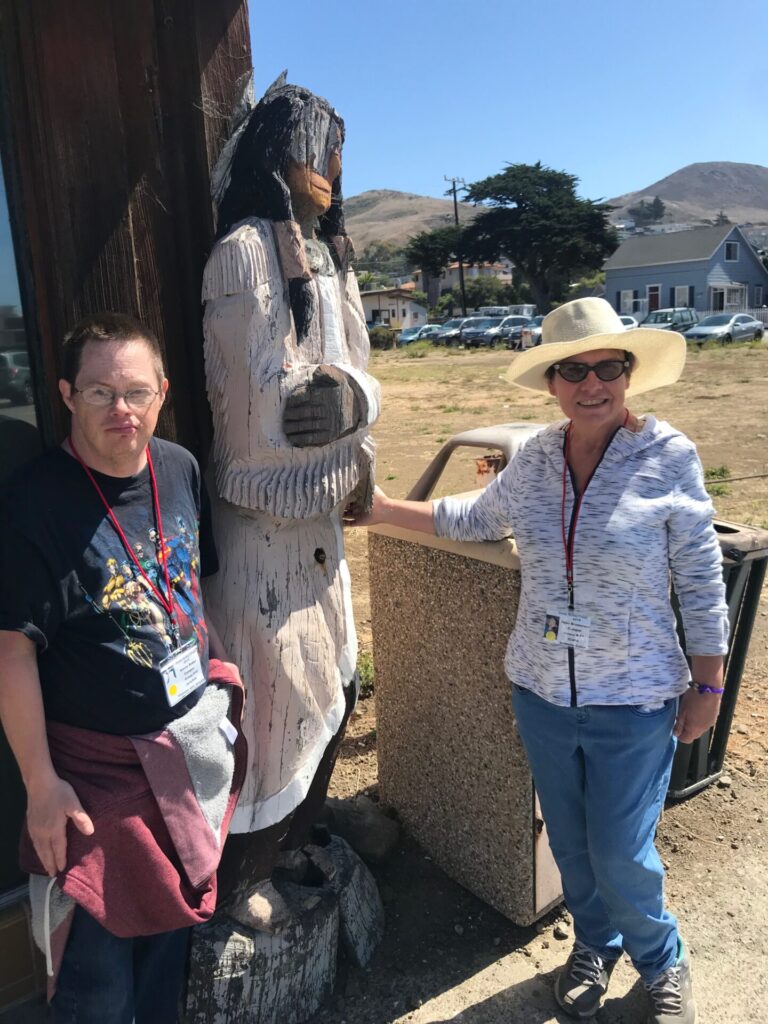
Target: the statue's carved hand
pixel 330 405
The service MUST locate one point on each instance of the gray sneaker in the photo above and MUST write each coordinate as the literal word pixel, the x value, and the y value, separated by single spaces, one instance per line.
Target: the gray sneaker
pixel 670 994
pixel 583 981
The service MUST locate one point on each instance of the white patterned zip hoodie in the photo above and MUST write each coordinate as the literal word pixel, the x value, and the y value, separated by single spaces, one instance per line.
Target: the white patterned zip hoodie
pixel 645 515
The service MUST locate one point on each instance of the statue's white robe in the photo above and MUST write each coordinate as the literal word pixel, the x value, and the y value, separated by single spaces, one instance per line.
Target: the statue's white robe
pixel 281 598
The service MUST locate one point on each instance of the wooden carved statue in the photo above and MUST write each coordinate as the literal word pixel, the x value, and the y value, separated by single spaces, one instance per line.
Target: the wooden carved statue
pixel 286 350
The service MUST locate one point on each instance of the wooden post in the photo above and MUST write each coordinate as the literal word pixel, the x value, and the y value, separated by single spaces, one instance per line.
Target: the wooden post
pixel 113 117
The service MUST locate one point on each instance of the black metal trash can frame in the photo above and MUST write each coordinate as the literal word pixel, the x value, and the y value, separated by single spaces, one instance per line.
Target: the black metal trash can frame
pixel 745 556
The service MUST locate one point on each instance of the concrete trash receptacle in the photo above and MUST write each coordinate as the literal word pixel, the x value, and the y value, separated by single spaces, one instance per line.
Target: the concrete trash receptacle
pixel 450 760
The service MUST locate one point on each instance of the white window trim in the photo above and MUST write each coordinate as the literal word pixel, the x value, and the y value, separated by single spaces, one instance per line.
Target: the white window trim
pixel 758 296
pixel 627 301
pixel 732 259
pixel 681 288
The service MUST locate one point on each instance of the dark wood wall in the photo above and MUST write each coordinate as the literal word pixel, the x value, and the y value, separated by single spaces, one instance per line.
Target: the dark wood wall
pixel 112 113
pixel 112 116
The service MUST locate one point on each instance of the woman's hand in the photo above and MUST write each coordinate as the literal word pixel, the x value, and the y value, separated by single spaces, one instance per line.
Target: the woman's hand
pixel 698 712
pixel 355 516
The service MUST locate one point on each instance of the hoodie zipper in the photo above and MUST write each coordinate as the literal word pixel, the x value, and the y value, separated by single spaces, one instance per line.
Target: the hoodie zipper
pixel 570 540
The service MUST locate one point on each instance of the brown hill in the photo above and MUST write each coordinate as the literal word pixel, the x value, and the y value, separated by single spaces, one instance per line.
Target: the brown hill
pixel 383 215
pixel 697 192
pixel 694 194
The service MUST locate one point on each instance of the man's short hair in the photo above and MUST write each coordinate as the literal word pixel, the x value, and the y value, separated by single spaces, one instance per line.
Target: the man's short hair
pixel 106 327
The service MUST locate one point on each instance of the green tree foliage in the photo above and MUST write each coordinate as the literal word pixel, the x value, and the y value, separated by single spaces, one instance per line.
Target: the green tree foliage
pixel 382 337
pixel 432 251
pixel 488 291
pixel 482 291
pixel 380 264
pixel 534 218
pixel 588 285
pixel 721 219
pixel 647 213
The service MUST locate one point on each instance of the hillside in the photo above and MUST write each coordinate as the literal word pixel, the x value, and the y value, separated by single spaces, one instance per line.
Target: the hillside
pixel 383 215
pixel 693 194
pixel 697 192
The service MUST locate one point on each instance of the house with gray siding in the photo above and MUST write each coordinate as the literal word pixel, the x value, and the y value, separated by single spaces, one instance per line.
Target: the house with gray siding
pixel 707 268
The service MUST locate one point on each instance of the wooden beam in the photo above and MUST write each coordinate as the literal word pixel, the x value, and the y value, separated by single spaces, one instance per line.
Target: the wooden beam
pixel 114 119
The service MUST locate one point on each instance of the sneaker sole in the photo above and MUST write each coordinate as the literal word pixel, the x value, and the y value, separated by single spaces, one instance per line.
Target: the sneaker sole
pixel 575 1013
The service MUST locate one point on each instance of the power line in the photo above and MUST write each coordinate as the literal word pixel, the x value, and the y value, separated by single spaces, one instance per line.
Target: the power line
pixel 452 189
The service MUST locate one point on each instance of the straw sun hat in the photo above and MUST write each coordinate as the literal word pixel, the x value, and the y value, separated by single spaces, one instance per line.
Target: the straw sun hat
pixel 588 324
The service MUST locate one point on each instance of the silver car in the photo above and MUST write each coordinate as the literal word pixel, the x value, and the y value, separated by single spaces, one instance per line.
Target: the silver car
pixel 725 328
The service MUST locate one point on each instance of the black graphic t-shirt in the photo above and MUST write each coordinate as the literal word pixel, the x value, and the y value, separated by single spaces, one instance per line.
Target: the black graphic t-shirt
pixel 68 583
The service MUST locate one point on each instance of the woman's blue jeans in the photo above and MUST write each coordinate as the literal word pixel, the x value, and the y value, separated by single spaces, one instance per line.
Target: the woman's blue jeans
pixel 108 980
pixel 601 773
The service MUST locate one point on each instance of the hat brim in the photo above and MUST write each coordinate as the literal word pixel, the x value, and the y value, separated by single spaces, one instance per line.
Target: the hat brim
pixel 660 358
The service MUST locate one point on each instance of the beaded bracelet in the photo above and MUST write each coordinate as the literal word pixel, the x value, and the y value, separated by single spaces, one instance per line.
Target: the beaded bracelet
pixel 703 688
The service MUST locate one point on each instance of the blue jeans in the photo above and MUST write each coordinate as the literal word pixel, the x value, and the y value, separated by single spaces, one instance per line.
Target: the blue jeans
pixel 107 980
pixel 601 773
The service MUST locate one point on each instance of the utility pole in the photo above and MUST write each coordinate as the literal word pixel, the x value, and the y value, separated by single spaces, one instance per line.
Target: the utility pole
pixel 452 189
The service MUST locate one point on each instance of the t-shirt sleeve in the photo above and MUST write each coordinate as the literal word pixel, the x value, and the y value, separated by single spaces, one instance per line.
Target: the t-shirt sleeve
pixel 30 598
pixel 209 558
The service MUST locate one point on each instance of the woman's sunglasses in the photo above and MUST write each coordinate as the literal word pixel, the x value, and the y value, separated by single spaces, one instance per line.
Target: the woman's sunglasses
pixel 607 369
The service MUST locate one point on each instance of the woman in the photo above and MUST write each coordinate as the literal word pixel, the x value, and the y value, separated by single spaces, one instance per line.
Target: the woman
pixel 604 506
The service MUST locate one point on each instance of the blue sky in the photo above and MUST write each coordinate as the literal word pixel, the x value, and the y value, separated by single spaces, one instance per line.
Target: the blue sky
pixel 618 94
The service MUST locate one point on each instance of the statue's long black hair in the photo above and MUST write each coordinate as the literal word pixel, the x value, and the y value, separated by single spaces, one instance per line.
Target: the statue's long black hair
pixel 257 186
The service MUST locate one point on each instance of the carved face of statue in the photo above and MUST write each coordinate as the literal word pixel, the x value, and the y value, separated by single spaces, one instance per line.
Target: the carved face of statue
pixel 311 190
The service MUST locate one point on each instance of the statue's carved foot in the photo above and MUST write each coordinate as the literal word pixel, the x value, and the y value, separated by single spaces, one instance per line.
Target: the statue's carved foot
pixel 262 909
pixel 293 865
pixel 322 859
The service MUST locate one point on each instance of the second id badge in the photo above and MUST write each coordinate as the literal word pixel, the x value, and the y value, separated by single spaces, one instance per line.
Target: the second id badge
pixel 567 628
pixel 182 672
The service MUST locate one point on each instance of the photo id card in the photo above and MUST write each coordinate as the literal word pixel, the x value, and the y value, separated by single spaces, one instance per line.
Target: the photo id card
pixel 182 673
pixel 567 628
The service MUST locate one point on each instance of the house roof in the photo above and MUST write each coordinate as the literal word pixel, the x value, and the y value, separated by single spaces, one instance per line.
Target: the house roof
pixel 673 247
pixel 395 293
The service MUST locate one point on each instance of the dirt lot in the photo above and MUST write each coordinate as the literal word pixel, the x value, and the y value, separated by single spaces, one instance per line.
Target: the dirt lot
pixel 449 958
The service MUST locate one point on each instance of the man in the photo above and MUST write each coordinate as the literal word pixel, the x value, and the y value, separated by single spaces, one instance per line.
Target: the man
pixel 104 687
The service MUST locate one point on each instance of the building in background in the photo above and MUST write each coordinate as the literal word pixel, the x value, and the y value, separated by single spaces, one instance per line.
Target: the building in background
pixel 709 269
pixel 393 308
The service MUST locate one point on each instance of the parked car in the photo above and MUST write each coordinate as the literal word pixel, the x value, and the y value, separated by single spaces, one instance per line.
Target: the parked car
pixel 429 332
pixel 725 328
pixel 407 335
pixel 509 329
pixel 676 318
pixel 628 321
pixel 474 333
pixel 449 332
pixel 531 333
pixel 15 378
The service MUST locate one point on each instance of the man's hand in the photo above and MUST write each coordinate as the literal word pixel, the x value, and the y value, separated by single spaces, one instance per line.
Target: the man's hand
pixel 328 406
pixel 49 806
pixel 698 712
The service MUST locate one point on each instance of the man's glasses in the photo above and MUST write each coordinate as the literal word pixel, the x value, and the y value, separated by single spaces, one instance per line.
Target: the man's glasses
pixel 136 398
pixel 606 369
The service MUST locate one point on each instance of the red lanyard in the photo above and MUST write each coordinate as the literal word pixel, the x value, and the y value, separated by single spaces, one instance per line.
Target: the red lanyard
pixel 166 602
pixel 570 539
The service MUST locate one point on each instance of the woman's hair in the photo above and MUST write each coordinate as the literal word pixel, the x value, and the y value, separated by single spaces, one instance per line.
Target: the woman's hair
pixel 257 186
pixel 629 356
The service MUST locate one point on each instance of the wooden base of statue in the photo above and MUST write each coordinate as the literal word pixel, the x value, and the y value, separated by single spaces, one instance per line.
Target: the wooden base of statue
pixel 322 900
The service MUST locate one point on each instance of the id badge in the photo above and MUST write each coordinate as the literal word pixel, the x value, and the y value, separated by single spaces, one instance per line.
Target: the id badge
pixel 567 628
pixel 182 673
